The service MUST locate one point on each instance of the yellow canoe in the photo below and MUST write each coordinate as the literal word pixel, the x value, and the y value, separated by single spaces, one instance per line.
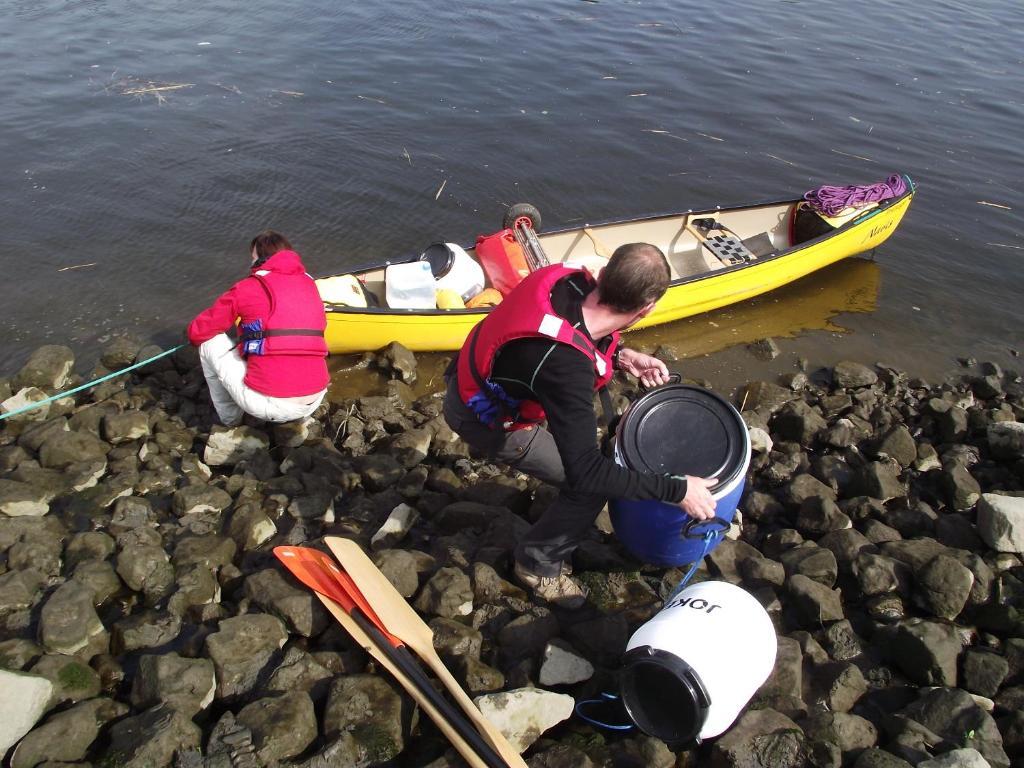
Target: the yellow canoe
pixel 700 280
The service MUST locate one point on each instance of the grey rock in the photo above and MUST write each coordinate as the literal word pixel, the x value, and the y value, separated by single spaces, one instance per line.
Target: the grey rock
pixel 20 589
pixel 850 375
pixel 187 685
pixel 765 394
pixel 299 671
pixel 524 714
pixel 62 449
pixel 983 672
pixel 196 499
pixel 899 445
pixel 880 480
pixel 399 567
pixel 842 641
pixel 957 758
pixel 951 713
pixel 146 569
pixel 250 527
pixel 21 499
pixel 786 679
pixel 448 593
pixel 452 639
pixel 762 572
pixel 72 680
pixel 370 709
pixel 812 561
pixel 68 622
pixel 851 733
pixel 411 447
pixel 395 527
pixel 944 586
pixel 151 739
pixel 299 608
pixel 379 471
pixel 22 399
pixel 1001 522
pixel 878 574
pixel 227 446
pixel 815 603
pixel 818 515
pixel 1006 439
pixel 209 551
pixel 68 735
pixel 23 700
pixel 99 576
pixel 477 677
pixel 804 486
pixel 124 427
pixel 879 758
pixel 761 738
pixel 145 630
pixel 282 727
pixel 837 686
pixel 528 634
pixel 925 651
pixel 241 650
pixel 799 422
pixel 195 587
pixel 962 490
pixel 561 664
pixel 48 367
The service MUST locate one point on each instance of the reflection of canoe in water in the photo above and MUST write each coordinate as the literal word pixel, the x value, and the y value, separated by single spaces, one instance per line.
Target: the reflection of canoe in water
pixel 771 256
pixel 805 305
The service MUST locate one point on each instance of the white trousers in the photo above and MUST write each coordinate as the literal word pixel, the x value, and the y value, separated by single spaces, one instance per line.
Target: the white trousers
pixel 224 369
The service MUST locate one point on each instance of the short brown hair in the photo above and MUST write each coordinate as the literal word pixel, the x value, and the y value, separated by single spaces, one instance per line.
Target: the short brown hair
pixel 636 275
pixel 267 243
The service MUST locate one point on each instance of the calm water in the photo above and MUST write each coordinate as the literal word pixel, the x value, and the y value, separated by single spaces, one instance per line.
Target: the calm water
pixel 338 122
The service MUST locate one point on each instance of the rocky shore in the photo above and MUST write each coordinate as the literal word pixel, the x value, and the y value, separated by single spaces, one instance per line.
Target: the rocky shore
pixel 145 622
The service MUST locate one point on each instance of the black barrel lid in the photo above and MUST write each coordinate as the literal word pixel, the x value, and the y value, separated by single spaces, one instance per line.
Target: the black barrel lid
pixel 663 695
pixel 440 257
pixel 683 430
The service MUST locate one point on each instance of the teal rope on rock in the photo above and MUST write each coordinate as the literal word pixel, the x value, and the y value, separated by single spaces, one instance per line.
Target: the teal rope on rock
pixel 114 375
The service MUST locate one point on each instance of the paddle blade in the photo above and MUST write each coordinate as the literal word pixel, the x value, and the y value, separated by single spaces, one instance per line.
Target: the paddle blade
pixel 321 574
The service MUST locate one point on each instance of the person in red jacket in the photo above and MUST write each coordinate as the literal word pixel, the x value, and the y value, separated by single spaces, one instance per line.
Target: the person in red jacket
pixel 262 344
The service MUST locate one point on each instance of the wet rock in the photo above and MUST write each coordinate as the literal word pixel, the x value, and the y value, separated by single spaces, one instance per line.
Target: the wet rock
pixel 962 490
pixel 527 634
pixel 227 446
pixel 299 671
pixel 762 572
pixel 761 738
pixel 411 447
pixel 62 449
pixel 448 593
pixel 925 651
pixel 250 527
pixel 850 375
pixel 1006 440
pixel 786 679
pixel 297 607
pixel 124 427
pixel 398 524
pixel 943 587
pixel 23 700
pixel 48 367
pixel 837 686
pixel 379 472
pixel 146 569
pixel 187 685
pixel 799 422
pixel 208 551
pixel 68 735
pixel 370 709
pixel 879 758
pixel 144 630
pixel 196 499
pixel 282 727
pixel 725 559
pixel 877 574
pixel 68 622
pixel 766 395
pixel 562 665
pixel 880 480
pixel 477 677
pixel 851 733
pixel 983 672
pixel 812 561
pixel 241 650
pixel 601 639
pixel 764 349
pixel 898 444
pixel 397 361
pixel 1001 522
pixel 523 715
pixel 951 713
pixel 818 515
pixel 452 639
pixel 842 641
pixel 151 739
pixel 400 568
pixel 23 500
pixel 99 576
pixel 957 758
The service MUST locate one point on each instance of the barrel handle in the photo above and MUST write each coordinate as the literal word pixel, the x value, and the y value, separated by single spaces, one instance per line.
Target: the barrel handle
pixel 673 378
pixel 689 533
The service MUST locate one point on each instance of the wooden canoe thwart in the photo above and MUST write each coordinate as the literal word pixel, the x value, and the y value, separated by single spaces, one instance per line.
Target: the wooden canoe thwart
pixel 717 256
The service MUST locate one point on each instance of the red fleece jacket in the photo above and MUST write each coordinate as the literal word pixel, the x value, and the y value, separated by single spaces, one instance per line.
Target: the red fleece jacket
pixel 274 375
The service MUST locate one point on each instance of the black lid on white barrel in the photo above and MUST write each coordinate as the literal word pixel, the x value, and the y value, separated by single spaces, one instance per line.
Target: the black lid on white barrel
pixel 683 430
pixel 663 695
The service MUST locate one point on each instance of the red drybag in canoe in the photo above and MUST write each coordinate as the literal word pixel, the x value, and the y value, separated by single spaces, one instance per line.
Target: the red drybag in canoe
pixel 502 259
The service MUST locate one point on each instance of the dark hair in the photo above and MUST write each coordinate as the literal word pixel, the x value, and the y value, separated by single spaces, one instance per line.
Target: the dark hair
pixel 267 243
pixel 636 275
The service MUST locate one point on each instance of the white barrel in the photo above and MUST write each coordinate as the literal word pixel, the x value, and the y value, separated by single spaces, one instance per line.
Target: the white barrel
pixel 464 276
pixel 689 671
pixel 409 286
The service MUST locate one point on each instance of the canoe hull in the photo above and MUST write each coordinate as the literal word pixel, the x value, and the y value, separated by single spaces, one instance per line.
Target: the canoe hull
pixel 359 330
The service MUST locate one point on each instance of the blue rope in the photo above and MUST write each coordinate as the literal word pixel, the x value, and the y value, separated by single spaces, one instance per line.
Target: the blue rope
pixel 62 395
pixel 709 539
pixel 605 696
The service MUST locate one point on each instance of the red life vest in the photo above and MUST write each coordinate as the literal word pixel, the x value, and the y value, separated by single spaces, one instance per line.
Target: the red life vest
pixel 525 313
pixel 295 322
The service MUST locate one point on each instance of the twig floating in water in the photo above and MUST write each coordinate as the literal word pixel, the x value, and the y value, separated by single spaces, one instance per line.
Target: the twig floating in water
pixel 637 94
pixel 995 205
pixel 289 93
pixel 370 98
pixel 708 136
pixel 151 88
pixel 79 266
pixel 439 189
pixel 405 154
pixel 774 157
pixel 1006 245
pixel 664 133
pixel 847 154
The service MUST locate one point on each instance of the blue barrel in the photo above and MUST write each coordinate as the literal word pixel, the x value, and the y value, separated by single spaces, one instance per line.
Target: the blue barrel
pixel 679 430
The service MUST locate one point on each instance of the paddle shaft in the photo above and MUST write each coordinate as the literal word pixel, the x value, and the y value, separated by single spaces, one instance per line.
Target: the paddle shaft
pixel 403 660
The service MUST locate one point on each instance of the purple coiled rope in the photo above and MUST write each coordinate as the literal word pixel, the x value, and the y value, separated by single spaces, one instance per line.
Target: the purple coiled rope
pixel 830 201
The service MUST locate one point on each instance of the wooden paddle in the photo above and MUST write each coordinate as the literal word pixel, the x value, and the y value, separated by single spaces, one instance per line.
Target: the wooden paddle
pixel 344 601
pixel 401 620
pixel 599 248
